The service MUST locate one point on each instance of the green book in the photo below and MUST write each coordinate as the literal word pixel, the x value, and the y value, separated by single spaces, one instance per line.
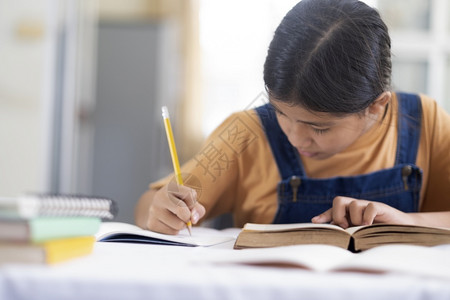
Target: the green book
pixel 41 229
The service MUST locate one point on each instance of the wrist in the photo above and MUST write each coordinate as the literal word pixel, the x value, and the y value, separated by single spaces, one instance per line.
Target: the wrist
pixel 413 219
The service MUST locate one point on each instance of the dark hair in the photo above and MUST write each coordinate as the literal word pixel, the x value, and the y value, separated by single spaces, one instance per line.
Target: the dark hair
pixel 329 56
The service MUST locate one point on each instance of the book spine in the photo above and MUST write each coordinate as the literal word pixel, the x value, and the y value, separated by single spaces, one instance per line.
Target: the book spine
pixel 65 249
pixel 49 228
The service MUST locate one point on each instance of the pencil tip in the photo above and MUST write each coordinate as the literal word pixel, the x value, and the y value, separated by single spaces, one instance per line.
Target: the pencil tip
pixel 189 227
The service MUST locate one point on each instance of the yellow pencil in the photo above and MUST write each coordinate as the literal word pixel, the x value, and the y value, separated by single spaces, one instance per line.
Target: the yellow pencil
pixel 173 153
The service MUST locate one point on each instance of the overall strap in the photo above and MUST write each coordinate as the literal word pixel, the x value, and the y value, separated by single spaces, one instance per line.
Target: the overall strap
pixel 409 126
pixel 286 156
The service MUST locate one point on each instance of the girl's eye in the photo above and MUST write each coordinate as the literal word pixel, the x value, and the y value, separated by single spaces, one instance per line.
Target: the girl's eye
pixel 277 111
pixel 320 131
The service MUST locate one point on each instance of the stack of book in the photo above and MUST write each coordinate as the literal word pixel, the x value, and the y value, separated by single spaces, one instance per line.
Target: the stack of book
pixel 50 228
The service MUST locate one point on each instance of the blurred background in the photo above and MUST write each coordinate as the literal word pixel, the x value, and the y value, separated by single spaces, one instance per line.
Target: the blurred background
pixel 82 82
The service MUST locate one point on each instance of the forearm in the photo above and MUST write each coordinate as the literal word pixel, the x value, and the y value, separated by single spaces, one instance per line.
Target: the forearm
pixel 142 208
pixel 435 219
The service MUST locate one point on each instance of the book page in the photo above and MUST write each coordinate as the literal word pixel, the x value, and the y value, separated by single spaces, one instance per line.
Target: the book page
pixel 408 259
pixel 370 236
pixel 289 227
pixel 405 259
pixel 312 257
pixel 353 229
pixel 124 232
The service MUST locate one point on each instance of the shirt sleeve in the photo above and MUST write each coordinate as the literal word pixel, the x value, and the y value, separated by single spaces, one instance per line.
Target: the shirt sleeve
pixel 437 131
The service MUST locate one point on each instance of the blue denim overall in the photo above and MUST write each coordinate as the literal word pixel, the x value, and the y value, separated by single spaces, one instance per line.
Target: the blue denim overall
pixel 300 198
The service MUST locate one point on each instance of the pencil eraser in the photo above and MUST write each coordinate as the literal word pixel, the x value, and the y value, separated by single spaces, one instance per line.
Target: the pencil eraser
pixel 165 112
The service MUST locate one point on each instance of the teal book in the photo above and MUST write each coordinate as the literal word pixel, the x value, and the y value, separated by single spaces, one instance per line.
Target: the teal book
pixel 42 229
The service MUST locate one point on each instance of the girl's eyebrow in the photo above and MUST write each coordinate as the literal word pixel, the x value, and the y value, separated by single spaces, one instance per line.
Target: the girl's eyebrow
pixel 317 124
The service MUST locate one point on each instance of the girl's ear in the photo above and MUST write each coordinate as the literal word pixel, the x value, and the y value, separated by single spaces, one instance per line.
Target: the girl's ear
pixel 379 105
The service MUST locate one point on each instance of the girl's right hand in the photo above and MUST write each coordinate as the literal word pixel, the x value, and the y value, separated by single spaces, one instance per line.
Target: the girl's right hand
pixel 170 208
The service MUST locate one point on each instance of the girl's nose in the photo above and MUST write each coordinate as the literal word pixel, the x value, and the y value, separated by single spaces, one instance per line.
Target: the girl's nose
pixel 299 136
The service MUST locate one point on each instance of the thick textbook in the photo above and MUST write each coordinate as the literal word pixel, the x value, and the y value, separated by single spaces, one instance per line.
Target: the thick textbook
pixel 354 238
pixel 41 229
pixel 48 252
pixel 128 233
pixel 38 205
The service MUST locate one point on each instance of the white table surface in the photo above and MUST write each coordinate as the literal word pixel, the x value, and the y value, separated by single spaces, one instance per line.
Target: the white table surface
pixel 140 271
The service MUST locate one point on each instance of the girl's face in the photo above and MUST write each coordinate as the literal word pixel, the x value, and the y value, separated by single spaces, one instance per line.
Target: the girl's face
pixel 320 135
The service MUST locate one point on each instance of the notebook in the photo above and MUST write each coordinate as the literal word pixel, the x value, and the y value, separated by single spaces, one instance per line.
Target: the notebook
pixel 31 206
pixel 129 233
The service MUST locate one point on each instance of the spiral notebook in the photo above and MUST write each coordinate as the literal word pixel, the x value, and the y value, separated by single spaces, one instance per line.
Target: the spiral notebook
pixel 31 206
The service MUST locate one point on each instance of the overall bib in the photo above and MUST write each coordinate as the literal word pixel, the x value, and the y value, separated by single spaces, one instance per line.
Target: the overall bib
pixel 300 198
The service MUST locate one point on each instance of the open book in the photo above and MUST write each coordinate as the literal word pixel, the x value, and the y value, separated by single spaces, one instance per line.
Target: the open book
pixel 354 238
pixel 406 259
pixel 128 233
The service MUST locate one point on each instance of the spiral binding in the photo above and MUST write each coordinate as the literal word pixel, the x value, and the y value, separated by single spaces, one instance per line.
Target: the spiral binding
pixel 74 205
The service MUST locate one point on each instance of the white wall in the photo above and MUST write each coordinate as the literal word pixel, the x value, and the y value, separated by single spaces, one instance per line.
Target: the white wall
pixel 22 42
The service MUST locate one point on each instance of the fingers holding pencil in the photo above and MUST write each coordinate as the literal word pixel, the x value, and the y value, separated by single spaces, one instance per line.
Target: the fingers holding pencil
pixel 183 204
pixel 169 212
pixel 183 197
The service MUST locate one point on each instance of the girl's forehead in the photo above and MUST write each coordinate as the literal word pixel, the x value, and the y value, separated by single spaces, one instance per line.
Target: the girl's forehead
pixel 301 112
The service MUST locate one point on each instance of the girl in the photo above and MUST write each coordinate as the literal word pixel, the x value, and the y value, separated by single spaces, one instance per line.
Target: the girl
pixel 334 143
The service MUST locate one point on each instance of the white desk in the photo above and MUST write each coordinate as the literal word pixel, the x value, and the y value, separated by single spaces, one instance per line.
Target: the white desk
pixel 138 271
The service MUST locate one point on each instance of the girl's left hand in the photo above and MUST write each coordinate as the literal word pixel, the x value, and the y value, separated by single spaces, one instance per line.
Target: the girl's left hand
pixel 348 212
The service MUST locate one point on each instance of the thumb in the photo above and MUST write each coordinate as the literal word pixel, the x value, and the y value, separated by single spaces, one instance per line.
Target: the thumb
pixel 197 213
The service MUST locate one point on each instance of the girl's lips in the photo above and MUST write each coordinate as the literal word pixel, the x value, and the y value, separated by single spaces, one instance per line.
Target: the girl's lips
pixel 306 153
